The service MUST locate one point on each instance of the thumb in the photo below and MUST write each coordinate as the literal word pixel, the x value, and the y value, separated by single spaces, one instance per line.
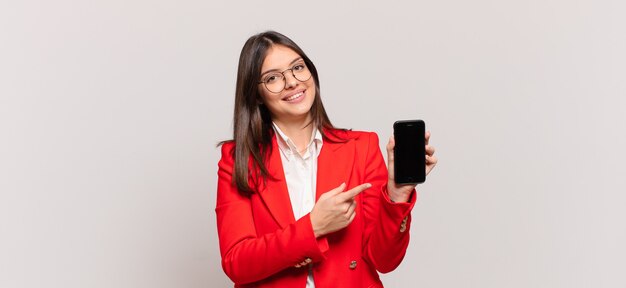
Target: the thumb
pixel 390 159
pixel 390 146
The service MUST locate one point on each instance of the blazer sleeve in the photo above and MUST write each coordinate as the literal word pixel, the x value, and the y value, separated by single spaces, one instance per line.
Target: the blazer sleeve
pixel 387 224
pixel 246 256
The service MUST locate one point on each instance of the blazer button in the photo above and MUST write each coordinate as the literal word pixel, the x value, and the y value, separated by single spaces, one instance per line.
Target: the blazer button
pixel 403 224
pixel 305 262
pixel 353 264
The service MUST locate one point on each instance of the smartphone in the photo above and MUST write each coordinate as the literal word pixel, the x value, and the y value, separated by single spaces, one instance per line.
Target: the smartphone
pixel 409 153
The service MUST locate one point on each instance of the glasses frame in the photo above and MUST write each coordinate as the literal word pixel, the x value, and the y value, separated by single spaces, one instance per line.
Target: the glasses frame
pixel 285 78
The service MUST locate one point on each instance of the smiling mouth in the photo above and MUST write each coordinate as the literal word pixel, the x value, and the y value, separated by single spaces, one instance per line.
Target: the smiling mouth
pixel 294 96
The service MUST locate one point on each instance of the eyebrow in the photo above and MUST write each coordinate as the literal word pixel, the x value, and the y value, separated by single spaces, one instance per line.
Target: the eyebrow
pixel 272 70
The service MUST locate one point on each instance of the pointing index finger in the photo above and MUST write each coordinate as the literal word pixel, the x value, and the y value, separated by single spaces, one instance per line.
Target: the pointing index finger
pixel 353 192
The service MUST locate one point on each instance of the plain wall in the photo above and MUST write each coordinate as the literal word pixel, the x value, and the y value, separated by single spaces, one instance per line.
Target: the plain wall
pixel 110 112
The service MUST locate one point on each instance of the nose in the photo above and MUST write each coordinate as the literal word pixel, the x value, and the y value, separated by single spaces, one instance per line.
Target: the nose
pixel 290 80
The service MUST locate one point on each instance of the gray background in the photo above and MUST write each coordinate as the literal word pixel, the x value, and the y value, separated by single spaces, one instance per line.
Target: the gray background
pixel 110 112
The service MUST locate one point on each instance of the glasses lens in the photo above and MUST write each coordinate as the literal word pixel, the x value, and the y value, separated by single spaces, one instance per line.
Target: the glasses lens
pixel 275 82
pixel 301 72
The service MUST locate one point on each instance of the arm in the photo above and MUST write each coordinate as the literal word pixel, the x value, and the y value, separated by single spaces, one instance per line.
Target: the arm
pixel 246 256
pixel 387 224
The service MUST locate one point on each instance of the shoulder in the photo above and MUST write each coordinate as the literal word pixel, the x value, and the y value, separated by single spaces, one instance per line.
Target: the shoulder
pixel 362 134
pixel 360 137
pixel 366 140
pixel 228 151
pixel 227 146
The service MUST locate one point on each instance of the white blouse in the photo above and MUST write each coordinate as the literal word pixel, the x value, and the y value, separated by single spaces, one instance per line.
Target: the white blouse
pixel 301 175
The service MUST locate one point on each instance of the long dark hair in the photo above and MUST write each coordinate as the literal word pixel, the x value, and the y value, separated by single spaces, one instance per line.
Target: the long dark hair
pixel 252 131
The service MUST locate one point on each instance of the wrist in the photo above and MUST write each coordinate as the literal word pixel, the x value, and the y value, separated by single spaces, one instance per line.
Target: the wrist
pixel 317 231
pixel 397 196
pixel 398 199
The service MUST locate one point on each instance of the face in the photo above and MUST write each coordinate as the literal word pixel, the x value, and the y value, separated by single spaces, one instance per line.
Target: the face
pixel 294 102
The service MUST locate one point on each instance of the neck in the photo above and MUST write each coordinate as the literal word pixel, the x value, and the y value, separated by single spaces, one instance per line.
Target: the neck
pixel 298 131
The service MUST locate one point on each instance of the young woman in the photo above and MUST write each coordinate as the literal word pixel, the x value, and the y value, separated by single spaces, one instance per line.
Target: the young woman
pixel 301 203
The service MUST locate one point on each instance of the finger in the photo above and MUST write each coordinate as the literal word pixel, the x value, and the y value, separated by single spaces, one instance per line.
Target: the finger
pixel 351 217
pixel 427 137
pixel 353 192
pixel 337 190
pixel 345 206
pixel 431 166
pixel 430 150
pixel 431 160
pixel 351 208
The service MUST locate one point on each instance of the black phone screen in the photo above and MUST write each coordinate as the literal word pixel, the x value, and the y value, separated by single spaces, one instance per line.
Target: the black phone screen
pixel 409 152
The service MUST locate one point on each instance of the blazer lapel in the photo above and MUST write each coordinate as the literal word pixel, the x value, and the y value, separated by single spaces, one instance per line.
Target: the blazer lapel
pixel 275 194
pixel 334 166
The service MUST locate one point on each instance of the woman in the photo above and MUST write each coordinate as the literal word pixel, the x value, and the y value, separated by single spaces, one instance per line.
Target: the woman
pixel 301 203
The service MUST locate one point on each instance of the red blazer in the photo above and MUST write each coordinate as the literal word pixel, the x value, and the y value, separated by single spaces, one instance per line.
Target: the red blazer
pixel 261 242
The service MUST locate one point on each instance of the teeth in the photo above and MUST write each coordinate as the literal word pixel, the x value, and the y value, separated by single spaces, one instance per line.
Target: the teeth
pixel 294 96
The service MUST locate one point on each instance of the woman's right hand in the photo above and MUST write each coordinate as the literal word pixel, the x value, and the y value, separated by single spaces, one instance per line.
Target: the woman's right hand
pixel 334 210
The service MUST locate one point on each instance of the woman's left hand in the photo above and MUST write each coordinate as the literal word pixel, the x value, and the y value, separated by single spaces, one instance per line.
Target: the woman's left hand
pixel 401 193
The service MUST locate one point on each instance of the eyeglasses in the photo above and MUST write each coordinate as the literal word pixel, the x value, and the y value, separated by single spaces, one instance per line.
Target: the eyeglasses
pixel 275 81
